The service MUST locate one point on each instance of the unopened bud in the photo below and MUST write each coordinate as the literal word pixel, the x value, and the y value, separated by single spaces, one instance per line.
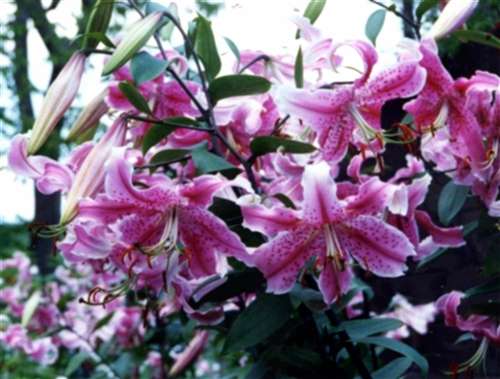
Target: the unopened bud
pixel 453 16
pixel 136 37
pixel 98 22
pixel 90 176
pixel 58 99
pixel 89 116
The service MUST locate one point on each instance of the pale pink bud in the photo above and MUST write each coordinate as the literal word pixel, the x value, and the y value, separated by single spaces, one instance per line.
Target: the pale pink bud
pixel 90 176
pixel 453 16
pixel 89 116
pixel 190 353
pixel 58 99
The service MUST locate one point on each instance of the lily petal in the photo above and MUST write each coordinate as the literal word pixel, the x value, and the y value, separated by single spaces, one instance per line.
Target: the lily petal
pixel 269 221
pixel 333 283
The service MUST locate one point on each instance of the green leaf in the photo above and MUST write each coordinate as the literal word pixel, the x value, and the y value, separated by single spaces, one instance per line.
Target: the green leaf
pixel 145 67
pixel 424 6
pixel 313 11
pixel 479 37
pixel 401 348
pixel 206 48
pixel 260 320
pixel 30 307
pixel 97 36
pixel 488 308
pixel 75 362
pixel 102 322
pixel 134 96
pixel 234 49
pixel 468 228
pixel 97 23
pixel 307 296
pixel 207 162
pixel 165 157
pixel 154 135
pixel 299 70
pixel 451 200
pixel 393 369
pixel 237 85
pixel 358 329
pixel 491 286
pixel 374 25
pixel 270 144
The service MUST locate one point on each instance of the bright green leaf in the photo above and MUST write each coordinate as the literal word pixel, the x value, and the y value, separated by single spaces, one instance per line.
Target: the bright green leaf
pixel 299 70
pixel 30 307
pixel 259 321
pixel 393 369
pixel 374 25
pixel 237 85
pixel 270 144
pixel 145 67
pixel 206 48
pixel 451 200
pixel 401 348
pixel 134 96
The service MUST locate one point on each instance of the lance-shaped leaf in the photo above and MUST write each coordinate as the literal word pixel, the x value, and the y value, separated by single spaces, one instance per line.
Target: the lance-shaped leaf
pixel 168 156
pixel 260 320
pixel 270 144
pixel 451 200
pixel 98 23
pixel 424 6
pixel 207 162
pixel 358 329
pixel 206 48
pixel 135 38
pixel 299 70
pixel 162 129
pixel 134 96
pixel 237 85
pixel 30 307
pixel 234 49
pixel 491 286
pixel 312 12
pixel 401 348
pixel 145 67
pixel 374 25
pixel 393 369
pixel 478 36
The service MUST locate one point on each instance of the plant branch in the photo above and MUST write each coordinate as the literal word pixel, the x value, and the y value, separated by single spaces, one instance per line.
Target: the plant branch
pixel 162 122
pixel 394 10
pixel 262 57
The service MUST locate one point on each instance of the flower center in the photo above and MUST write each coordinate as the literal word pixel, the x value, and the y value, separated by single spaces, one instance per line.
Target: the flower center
pixel 334 250
pixel 168 240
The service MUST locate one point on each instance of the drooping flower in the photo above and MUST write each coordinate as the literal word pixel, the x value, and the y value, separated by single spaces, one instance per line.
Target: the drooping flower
pixel 332 231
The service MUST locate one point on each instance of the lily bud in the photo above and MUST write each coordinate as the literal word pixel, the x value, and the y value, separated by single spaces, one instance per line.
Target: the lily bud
pixel 58 99
pixel 98 22
pixel 90 176
pixel 137 35
pixel 89 116
pixel 453 16
pixel 190 353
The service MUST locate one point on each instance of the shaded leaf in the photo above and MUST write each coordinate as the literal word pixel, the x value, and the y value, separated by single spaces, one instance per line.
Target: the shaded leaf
pixel 401 348
pixel 260 320
pixel 451 200
pixel 165 157
pixel 75 362
pixel 134 96
pixel 145 67
pixel 237 85
pixel 270 144
pixel 162 129
pixel 491 286
pixel 358 329
pixel 424 6
pixel 393 369
pixel 479 37
pixel 374 25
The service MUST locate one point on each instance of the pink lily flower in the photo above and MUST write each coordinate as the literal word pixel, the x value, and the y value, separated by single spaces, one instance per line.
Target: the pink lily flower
pixel 332 231
pixel 479 325
pixel 150 222
pixel 442 102
pixel 336 114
